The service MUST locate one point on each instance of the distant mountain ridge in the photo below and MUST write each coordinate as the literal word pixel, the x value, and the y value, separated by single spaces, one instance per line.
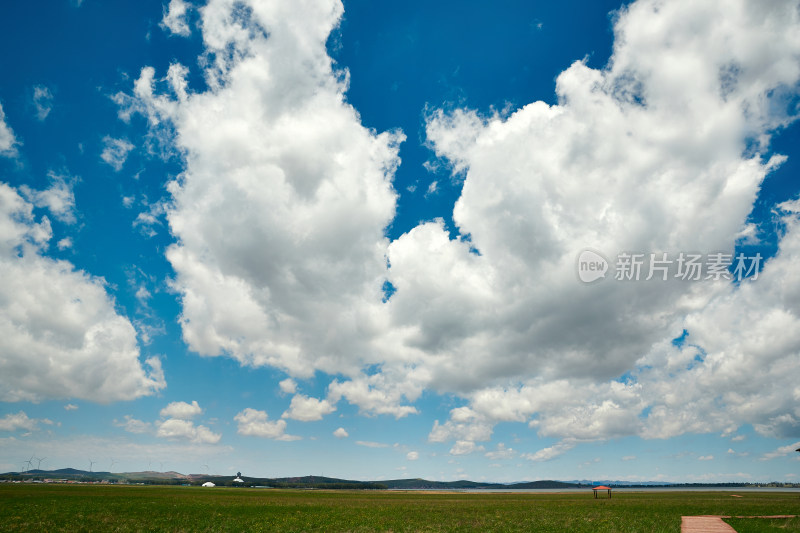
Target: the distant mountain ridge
pixel 620 483
pixel 176 478
pixel 418 483
pixel 321 482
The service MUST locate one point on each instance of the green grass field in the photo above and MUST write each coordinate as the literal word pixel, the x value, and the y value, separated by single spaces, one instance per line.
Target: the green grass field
pixel 134 508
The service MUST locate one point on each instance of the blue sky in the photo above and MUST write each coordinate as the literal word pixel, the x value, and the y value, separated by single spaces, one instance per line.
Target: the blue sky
pixel 291 238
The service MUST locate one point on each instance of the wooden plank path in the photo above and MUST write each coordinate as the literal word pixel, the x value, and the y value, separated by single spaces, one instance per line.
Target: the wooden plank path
pixel 704 524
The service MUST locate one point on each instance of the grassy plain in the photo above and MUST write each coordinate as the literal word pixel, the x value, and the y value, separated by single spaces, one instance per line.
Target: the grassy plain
pixel 147 508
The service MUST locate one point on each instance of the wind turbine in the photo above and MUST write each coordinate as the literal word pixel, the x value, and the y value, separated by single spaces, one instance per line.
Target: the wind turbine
pixel 111 468
pixel 162 466
pixel 91 464
pixel 39 462
pixel 30 462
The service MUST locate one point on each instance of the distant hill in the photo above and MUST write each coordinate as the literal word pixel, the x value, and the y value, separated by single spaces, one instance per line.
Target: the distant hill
pixel 149 474
pixel 319 482
pixel 419 483
pixel 61 472
pixel 548 485
pixel 415 484
pixel 618 483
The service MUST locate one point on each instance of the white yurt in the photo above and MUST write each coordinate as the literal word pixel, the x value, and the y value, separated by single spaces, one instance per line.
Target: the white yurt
pixel 208 484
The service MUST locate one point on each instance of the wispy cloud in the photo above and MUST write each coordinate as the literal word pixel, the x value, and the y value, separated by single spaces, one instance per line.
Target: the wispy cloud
pixel 42 101
pixel 371 444
pixel 115 152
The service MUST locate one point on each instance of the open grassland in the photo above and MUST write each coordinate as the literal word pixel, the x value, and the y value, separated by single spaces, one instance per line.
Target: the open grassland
pixel 134 508
pixel 764 525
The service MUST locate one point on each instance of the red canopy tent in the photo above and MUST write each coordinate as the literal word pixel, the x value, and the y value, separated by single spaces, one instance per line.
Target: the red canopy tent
pixel 601 487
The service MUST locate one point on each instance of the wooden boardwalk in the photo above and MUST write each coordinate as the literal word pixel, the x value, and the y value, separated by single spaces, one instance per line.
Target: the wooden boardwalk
pixel 704 524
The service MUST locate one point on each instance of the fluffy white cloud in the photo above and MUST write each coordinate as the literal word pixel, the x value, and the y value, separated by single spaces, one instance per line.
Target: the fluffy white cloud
pixel 465 447
pixel 255 423
pixel 58 198
pixel 646 155
pixel 60 335
pixel 42 101
pixel 412 456
pixel 8 141
pixel 115 152
pixel 279 219
pixel 341 433
pixel 177 429
pixel 502 452
pixel 281 210
pixel 464 424
pixel 308 409
pixel 739 362
pixel 134 425
pixel 70 407
pixel 376 394
pixel 15 422
pixel 181 410
pixel 176 18
pixel 288 386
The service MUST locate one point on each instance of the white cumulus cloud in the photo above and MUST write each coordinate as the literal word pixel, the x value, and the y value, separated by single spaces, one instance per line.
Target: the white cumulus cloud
pixel 181 410
pixel 465 447
pixel 288 168
pixel 308 409
pixel 8 141
pixel 177 429
pixel 20 420
pixel 619 164
pixel 255 423
pixel 288 386
pixel 341 433
pixel 60 334
pixel 176 18
pixel 280 216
